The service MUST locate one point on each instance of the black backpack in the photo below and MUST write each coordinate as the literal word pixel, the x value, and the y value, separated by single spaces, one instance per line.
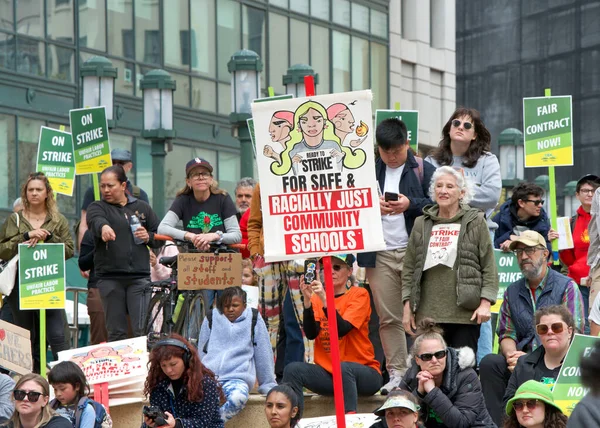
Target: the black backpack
pixel 253 327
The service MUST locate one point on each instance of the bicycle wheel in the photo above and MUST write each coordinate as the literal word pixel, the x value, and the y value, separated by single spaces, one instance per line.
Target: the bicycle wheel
pixel 194 316
pixel 155 323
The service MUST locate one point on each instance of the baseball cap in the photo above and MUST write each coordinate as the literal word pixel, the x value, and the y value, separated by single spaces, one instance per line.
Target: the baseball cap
pixel 588 177
pixel 532 390
pixel 120 155
pixel 396 401
pixel 198 162
pixel 529 237
pixel 346 258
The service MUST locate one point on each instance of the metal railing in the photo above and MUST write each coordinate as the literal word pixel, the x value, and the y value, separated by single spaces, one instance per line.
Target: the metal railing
pixel 74 328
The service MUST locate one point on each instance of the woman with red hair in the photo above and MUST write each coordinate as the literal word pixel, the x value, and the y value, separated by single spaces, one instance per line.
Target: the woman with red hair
pixel 181 387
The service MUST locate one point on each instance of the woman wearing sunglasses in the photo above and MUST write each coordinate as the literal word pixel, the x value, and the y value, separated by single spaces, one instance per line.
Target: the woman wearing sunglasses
pixel 533 407
pixel 31 396
pixel 444 381
pixel 555 327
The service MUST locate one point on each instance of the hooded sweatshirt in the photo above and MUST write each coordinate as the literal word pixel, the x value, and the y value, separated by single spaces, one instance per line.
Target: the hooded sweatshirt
pixel 576 258
pixel 231 353
pixel 586 413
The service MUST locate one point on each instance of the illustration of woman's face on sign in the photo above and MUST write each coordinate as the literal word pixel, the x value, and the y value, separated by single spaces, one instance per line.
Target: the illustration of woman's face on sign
pixel 312 123
pixel 344 121
pixel 281 126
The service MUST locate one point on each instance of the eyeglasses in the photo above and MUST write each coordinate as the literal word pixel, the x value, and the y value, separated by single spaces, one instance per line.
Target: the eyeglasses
pixel 438 355
pixel 119 162
pixel 467 125
pixel 200 175
pixel 587 191
pixel 531 404
pixel 530 251
pixel 556 327
pixel 32 396
pixel 336 268
pixel 535 202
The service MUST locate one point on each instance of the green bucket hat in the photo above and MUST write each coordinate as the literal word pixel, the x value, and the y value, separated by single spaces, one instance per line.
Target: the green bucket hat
pixel 396 401
pixel 532 390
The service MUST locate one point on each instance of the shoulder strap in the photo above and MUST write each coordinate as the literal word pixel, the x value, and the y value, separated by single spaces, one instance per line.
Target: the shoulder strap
pixel 254 321
pixel 54 404
pixel 136 191
pixel 572 221
pixel 418 170
pixel 83 401
pixel 18 220
pixel 209 319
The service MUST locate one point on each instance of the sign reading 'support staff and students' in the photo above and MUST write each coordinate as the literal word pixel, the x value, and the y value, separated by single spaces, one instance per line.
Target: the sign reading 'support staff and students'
pixel 317 176
pixel 90 139
pixel 547 122
pixel 42 276
pixel 55 159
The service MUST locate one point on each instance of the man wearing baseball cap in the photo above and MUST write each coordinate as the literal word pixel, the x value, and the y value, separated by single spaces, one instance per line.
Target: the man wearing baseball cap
pixel 540 286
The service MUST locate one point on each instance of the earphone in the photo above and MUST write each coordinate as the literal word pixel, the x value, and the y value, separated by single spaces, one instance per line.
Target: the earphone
pixel 187 355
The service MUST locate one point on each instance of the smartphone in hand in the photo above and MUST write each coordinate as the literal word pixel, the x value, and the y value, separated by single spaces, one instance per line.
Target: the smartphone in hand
pixel 310 270
pixel 390 196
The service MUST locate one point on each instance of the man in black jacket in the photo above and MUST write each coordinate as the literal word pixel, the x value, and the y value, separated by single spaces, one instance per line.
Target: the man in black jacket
pixel 404 185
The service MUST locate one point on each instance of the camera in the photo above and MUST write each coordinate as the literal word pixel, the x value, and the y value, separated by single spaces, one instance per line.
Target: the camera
pixel 157 415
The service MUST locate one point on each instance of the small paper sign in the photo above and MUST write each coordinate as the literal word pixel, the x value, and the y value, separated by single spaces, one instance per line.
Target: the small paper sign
pixel 565 237
pixel 251 295
pixel 207 271
pixel 15 348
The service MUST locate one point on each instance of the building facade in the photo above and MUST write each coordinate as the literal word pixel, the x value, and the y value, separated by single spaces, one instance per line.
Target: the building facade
pixel 44 42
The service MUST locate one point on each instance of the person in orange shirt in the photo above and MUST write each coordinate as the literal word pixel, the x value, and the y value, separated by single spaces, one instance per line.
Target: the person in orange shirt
pixel 360 369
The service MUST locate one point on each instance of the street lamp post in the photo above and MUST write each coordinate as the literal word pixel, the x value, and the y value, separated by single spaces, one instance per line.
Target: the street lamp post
pixel 294 79
pixel 99 76
pixel 245 67
pixel 158 87
pixel 510 143
pixel 571 201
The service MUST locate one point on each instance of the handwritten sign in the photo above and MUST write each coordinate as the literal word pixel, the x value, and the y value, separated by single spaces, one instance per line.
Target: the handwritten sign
pixel 356 420
pixel 111 361
pixel 15 348
pixel 209 271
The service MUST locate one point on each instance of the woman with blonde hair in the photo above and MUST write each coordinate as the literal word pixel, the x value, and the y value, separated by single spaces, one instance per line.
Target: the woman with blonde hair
pixel 31 395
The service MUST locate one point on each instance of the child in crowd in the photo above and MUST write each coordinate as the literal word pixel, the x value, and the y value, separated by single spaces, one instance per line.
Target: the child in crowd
pixel 70 389
pixel 248 275
pixel 234 344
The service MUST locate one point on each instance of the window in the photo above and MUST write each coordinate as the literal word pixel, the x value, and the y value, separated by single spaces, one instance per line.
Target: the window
pixel 298 42
pixel 280 3
pixel 340 12
pixel 204 94
pixel 152 47
pixel 341 62
pixel 7 51
pixel 92 35
pixel 229 171
pixel 176 34
pixel 181 96
pixel 203 38
pixel 319 9
pixel 360 18
pixel 29 132
pixel 228 35
pixel 224 95
pixel 59 20
pixel 6 15
pixel 30 15
pixel 254 35
pixel 125 81
pixel 278 51
pixel 360 63
pixel 300 6
pixel 60 63
pixel 8 161
pixel 30 56
pixel 120 28
pixel 379 75
pixel 147 35
pixel 379 24
pixel 320 56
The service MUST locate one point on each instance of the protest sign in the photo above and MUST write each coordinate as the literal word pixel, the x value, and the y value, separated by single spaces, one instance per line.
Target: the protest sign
pixel 55 159
pixel 15 348
pixel 42 276
pixel 197 271
pixel 277 124
pixel 568 390
pixel 90 139
pixel 352 420
pixel 252 295
pixel 565 236
pixel 443 246
pixel 508 272
pixel 410 119
pixel 318 187
pixel 110 361
pixel 548 131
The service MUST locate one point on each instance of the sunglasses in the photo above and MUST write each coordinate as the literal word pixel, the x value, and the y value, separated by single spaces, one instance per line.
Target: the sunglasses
pixel 556 327
pixel 438 355
pixel 336 268
pixel 32 396
pixel 535 202
pixel 467 125
pixel 519 405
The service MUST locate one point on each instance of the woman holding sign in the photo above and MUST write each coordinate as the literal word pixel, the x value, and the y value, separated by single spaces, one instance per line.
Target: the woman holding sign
pixel 449 267
pixel 38 222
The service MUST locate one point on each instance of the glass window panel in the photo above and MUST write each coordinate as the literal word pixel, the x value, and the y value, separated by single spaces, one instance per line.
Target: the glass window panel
pixel 341 62
pixel 340 12
pixel 8 161
pixel 298 42
pixel 7 51
pixel 253 36
pixel 379 75
pixel 29 133
pixel 125 81
pixel 147 34
pixel 379 24
pixel 30 56
pixel 224 98
pixel 228 35
pixel 278 51
pixel 61 64
pixel 320 58
pixel 300 6
pixel 182 93
pixel 176 34
pixel 229 171
pixel 360 63
pixel 204 94
pixel 143 166
pixel 120 28
pixel 203 37
pixel 319 9
pixel 360 17
pixel 92 34
pixel 59 20
pixel 280 3
pixel 30 15
pixel 6 15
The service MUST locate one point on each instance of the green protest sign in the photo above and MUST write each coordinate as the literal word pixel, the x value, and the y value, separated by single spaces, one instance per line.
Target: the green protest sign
pixel 42 276
pixel 410 119
pixel 90 139
pixel 508 272
pixel 568 390
pixel 55 159
pixel 548 131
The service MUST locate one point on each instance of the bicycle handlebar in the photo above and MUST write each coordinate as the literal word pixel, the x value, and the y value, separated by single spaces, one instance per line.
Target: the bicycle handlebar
pixel 158 237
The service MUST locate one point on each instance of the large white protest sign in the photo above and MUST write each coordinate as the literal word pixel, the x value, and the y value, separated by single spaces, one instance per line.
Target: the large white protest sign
pixel 317 184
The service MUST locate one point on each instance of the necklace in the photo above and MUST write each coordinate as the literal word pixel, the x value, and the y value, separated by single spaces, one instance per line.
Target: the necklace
pixel 32 217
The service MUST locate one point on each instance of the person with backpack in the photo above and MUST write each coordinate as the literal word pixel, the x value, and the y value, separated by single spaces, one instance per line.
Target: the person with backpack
pixel 404 181
pixel 71 389
pixel 236 347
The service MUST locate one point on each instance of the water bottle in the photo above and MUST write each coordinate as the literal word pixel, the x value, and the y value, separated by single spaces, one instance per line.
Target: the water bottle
pixel 134 223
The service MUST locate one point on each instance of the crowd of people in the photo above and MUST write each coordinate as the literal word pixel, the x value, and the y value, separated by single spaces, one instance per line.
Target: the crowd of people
pixel 418 330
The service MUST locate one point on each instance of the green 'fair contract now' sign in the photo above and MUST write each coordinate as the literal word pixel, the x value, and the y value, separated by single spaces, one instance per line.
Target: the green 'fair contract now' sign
pixel 42 276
